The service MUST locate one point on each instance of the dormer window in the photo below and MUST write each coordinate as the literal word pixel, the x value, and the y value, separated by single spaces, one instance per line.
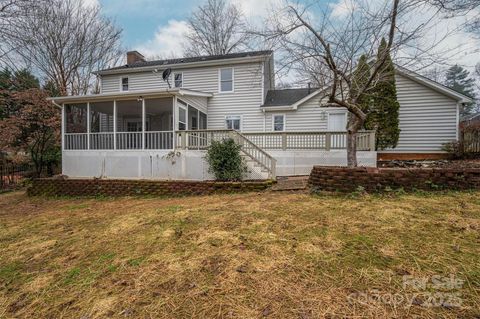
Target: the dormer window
pixel 178 80
pixel 124 84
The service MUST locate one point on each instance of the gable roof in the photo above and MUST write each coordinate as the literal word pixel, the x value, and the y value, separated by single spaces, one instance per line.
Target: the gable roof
pixel 440 88
pixel 141 65
pixel 286 96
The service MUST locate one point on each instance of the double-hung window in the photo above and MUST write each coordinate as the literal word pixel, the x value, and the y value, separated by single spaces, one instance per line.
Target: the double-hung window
pixel 233 122
pixel 178 80
pixel 279 123
pixel 124 84
pixel 226 80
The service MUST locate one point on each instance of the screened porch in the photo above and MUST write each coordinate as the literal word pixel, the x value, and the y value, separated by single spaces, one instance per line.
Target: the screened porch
pixel 128 124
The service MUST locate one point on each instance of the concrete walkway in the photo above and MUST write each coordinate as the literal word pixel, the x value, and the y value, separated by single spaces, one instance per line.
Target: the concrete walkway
pixel 290 183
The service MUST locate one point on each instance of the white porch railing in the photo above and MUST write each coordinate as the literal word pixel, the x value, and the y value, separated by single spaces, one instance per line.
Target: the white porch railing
pixel 76 141
pixel 310 140
pixel 101 141
pixel 201 139
pixel 159 140
pixel 129 140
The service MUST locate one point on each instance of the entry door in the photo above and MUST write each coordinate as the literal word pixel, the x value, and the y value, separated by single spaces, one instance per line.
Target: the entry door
pixel 337 122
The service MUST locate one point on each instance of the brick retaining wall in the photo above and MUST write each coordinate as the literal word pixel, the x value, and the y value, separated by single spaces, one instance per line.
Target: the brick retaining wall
pixel 344 179
pixel 110 187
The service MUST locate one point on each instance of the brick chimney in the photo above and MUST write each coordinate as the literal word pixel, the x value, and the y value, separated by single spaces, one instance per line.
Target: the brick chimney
pixel 134 57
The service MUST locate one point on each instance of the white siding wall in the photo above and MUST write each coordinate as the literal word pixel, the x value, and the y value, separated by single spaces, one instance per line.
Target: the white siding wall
pixel 427 117
pixel 308 117
pixel 200 103
pixel 245 100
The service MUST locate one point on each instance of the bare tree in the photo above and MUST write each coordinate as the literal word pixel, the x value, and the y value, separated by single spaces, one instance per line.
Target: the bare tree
pixel 65 41
pixel 216 28
pixel 328 53
pixel 454 8
pixel 324 48
pixel 10 11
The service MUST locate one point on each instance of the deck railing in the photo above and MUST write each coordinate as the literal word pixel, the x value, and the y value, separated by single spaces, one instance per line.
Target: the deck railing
pixel 159 140
pixel 201 139
pixel 101 141
pixel 310 140
pixel 129 140
pixel 76 141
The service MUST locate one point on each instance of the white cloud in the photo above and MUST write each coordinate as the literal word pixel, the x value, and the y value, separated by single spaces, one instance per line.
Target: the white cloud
pixel 167 41
pixel 90 3
pixel 342 8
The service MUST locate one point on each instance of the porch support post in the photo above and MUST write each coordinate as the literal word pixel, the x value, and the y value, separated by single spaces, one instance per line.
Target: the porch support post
pixel 328 141
pixel 63 127
pixel 144 122
pixel 284 141
pixel 114 124
pixel 372 141
pixel 88 125
pixel 174 124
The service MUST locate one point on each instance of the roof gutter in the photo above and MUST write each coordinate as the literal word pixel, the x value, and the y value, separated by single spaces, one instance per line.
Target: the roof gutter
pixel 126 95
pixel 277 108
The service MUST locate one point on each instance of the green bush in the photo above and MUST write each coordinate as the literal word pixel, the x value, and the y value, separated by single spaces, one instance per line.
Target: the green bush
pixel 454 150
pixel 225 161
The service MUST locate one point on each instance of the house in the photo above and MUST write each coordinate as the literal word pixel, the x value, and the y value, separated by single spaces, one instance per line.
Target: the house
pixel 154 119
pixel 473 119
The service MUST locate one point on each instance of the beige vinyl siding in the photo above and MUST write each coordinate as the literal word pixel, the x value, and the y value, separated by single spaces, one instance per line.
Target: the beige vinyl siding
pixel 427 118
pixel 110 84
pixel 308 117
pixel 200 103
pixel 245 100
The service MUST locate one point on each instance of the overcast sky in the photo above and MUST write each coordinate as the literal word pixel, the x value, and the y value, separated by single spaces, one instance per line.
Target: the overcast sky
pixel 156 27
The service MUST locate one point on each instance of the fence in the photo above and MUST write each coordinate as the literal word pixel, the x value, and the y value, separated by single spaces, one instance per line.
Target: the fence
pixel 11 175
pixel 471 141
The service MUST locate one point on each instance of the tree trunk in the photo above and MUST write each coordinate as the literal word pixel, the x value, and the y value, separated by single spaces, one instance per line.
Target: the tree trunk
pixel 353 126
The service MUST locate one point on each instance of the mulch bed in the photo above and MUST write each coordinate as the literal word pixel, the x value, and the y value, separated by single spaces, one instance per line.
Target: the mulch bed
pixel 457 164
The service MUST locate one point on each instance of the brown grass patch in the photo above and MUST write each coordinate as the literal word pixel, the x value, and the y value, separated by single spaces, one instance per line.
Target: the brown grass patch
pixel 274 255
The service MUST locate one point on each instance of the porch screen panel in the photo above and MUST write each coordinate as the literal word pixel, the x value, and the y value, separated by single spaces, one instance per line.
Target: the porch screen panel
pixel 159 123
pixel 129 125
pixel 192 118
pixel 76 126
pixel 203 121
pixel 101 125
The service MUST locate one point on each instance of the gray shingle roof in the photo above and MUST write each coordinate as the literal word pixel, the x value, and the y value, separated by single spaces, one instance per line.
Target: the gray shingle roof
pixel 286 96
pixel 189 60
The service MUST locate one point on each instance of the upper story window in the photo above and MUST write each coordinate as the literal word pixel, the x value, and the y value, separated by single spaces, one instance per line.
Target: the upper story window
pixel 233 122
pixel 226 80
pixel 124 84
pixel 279 123
pixel 178 80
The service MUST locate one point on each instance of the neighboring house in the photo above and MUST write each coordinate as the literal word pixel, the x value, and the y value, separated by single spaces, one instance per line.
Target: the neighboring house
pixel 141 126
pixel 473 119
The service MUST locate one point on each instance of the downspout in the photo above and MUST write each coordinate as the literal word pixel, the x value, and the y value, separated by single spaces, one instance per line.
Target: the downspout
pixel 457 130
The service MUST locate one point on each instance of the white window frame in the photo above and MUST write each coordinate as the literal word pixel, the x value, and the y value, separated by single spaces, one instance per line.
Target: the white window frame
pixel 337 112
pixel 220 80
pixel 240 117
pixel 284 122
pixel 174 84
pixel 121 83
pixel 185 108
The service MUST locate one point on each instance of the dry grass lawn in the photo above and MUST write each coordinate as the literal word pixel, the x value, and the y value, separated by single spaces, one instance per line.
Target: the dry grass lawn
pixel 273 255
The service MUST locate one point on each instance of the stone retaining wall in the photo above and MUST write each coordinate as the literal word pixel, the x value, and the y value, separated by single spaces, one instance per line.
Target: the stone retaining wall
pixel 110 187
pixel 344 179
